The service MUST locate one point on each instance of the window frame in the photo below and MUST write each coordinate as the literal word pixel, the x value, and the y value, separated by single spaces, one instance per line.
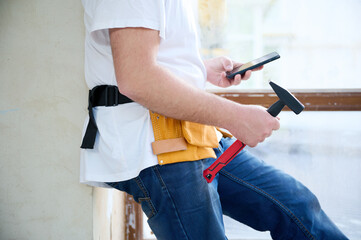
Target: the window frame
pixel 313 99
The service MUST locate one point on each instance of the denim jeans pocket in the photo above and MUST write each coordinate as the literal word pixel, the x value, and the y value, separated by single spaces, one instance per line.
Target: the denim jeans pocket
pixel 147 207
pixel 136 188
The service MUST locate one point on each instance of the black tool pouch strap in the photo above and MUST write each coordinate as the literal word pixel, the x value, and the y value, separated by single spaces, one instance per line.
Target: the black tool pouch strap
pixel 103 95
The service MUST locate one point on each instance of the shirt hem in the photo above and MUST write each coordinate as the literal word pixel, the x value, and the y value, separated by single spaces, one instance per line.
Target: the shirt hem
pixel 100 180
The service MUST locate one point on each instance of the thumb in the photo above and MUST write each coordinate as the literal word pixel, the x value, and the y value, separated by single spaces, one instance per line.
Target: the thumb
pixel 227 64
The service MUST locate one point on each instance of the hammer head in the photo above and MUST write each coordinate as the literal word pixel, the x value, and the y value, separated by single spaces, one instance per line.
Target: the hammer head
pixel 287 98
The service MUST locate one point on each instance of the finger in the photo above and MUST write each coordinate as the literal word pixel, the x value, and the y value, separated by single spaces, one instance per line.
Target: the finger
pixel 247 75
pixel 276 125
pixel 224 81
pixel 236 64
pixel 223 74
pixel 237 80
pixel 259 68
pixel 227 64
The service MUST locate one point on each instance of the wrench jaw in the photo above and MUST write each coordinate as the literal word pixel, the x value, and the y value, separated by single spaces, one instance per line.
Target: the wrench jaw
pixel 208 175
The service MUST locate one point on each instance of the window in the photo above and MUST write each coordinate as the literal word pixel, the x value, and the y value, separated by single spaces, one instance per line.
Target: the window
pixel 320 50
pixel 320 47
pixel 318 41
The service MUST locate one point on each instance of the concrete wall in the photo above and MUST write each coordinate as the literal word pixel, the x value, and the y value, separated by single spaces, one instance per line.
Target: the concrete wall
pixel 42 108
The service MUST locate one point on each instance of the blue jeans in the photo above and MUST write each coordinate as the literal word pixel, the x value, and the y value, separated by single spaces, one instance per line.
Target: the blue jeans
pixel 180 204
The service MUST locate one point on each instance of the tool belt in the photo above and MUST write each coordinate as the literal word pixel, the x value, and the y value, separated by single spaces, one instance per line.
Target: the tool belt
pixel 175 140
pixel 103 95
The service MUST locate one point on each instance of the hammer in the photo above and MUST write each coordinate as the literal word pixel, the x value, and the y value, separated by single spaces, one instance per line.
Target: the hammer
pixel 285 99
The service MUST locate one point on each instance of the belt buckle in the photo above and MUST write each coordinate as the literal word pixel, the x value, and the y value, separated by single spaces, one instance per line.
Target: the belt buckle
pixel 109 90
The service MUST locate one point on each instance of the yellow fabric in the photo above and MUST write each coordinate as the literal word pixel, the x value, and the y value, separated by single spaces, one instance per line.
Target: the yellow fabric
pixel 224 133
pixel 201 139
pixel 199 135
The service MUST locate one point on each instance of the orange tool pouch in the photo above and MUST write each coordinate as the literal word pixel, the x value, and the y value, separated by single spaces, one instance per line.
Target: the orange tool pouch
pixel 180 141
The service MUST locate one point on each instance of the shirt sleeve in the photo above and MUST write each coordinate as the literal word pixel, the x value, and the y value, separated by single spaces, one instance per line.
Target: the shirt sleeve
pixel 129 13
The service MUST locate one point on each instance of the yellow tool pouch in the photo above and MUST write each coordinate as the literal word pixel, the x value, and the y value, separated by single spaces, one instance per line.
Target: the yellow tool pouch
pixel 180 141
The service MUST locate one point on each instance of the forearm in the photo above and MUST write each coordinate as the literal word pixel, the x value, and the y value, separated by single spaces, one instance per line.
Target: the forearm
pixel 159 90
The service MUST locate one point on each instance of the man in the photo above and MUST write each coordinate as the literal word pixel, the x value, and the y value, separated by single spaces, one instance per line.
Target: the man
pixel 150 129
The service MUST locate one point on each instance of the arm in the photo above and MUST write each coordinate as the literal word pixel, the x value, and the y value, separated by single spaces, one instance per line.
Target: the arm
pixel 140 78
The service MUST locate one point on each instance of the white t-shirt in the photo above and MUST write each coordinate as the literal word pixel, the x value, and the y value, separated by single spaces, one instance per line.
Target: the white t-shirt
pixel 123 143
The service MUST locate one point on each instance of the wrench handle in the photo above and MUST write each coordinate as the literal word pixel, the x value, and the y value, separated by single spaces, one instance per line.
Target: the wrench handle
pixel 223 160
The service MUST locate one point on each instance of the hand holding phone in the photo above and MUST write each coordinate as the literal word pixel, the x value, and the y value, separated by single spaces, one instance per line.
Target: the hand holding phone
pixel 253 64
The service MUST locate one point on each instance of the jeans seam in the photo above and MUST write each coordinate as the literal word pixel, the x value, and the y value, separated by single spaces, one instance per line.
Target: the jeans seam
pixel 274 200
pixel 159 177
pixel 147 198
pixel 164 187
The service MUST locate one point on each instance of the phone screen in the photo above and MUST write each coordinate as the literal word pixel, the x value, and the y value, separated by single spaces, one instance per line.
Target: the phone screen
pixel 254 64
pixel 257 61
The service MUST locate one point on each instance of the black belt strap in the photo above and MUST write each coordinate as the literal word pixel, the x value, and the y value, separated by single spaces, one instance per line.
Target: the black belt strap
pixel 103 95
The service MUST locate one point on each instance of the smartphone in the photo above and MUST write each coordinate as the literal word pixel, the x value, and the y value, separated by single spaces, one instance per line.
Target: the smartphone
pixel 253 64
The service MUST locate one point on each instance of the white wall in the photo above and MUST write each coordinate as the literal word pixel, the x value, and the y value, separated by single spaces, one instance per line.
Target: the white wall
pixel 42 108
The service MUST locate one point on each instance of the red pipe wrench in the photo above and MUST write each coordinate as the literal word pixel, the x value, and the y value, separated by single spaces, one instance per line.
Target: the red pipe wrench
pixel 223 160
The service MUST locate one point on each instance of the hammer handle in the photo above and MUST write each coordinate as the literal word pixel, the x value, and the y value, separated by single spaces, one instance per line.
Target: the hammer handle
pixel 276 108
